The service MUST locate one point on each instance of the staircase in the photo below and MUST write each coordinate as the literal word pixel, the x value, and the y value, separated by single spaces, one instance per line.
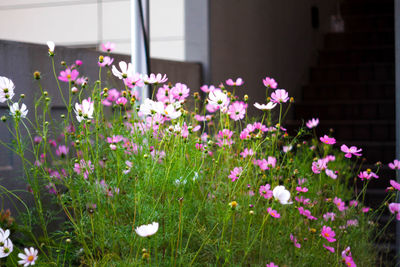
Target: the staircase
pixel 352 89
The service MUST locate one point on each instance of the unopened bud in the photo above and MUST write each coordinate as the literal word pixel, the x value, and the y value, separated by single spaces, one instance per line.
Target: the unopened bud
pixel 36 75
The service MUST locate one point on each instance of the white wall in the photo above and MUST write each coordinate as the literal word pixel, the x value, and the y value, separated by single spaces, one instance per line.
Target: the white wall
pixel 75 23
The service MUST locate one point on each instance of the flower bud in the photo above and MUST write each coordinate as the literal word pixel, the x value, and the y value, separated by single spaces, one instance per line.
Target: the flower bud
pixel 36 75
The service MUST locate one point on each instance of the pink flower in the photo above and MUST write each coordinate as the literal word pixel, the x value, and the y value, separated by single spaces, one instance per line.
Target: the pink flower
pixel 207 89
pixel 328 140
pixel 265 191
pixel 395 184
pixel 350 151
pixel 395 209
pixel 121 101
pixel 368 174
pixel 37 139
pixel 273 213
pixel 294 240
pixel 300 189
pixel 280 96
pixel 306 213
pixel 134 79
pixel 330 173
pixel 365 209
pixel 347 258
pixel 180 91
pixel 271 264
pixel 235 173
pixel 270 83
pixel 238 82
pixel 331 249
pixel 353 203
pixel 266 165
pixel 339 204
pixel 328 234
pixel 247 152
pixel 395 165
pixel 301 181
pixel 312 123
pixel 108 47
pixel 62 151
pixel 224 138
pixel 68 75
pixel 329 216
pixel 237 110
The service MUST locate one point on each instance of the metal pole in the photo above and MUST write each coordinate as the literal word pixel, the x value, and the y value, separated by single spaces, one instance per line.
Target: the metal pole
pixel 138 49
pixel 397 68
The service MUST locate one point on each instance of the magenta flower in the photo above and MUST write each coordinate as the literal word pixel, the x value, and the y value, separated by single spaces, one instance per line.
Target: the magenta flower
pixel 266 165
pixel 68 75
pixel 273 213
pixel 347 258
pixel 328 234
pixel 301 189
pixel 265 191
pixel 235 173
pixel 247 152
pixel 294 240
pixel 224 138
pixel 365 209
pixel 237 110
pixel 271 264
pixel 134 79
pixel 328 140
pixel 207 89
pixel 368 174
pixel 121 101
pixel 331 249
pixel 280 96
pixel 108 47
pixel 306 213
pixel 353 203
pixel 395 184
pixel 395 209
pixel 238 82
pixel 329 216
pixel 180 91
pixel 339 204
pixel 62 151
pixel 395 165
pixel 312 123
pixel 331 173
pixel 350 151
pixel 270 83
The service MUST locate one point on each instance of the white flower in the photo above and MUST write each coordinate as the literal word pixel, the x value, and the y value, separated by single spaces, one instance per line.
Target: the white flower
pixel 218 98
pixel 16 111
pixel 155 79
pixel 3 235
pixel 268 106
pixel 286 149
pixel 6 249
pixel 147 230
pixel 171 112
pixel 51 46
pixel 149 107
pixel 84 110
pixel 6 89
pixel 125 69
pixel 312 123
pixel 281 194
pixel 29 257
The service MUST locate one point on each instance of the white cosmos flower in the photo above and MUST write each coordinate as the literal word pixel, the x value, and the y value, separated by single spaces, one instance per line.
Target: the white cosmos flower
pixel 125 70
pixel 84 110
pixel 268 106
pixel 29 257
pixel 6 89
pixel 171 112
pixel 149 107
pixel 4 235
pixel 218 98
pixel 281 194
pixel 147 230
pixel 51 46
pixel 16 111
pixel 7 248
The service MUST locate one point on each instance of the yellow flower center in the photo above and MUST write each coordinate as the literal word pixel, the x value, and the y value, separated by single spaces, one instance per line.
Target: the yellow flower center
pixel 69 76
pixel 30 258
pixel 326 234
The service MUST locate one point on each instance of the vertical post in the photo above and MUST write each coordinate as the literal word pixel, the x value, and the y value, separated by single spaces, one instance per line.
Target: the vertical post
pixel 99 23
pixel 397 68
pixel 197 35
pixel 138 49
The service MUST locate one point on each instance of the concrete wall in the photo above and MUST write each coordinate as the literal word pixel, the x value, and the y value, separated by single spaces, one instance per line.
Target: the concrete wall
pixel 19 60
pixel 84 23
pixel 259 38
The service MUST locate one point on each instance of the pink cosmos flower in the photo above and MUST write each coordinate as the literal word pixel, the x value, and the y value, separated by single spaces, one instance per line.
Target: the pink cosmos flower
pixel 235 173
pixel 37 139
pixel 300 189
pixel 331 173
pixel 331 249
pixel 280 96
pixel 365 209
pixel 115 139
pixel 347 258
pixel 62 151
pixel 273 213
pixel 207 89
pixel 395 184
pixel 224 138
pixel 247 152
pixel 265 191
pixel 368 174
pixel 134 79
pixel 266 165
pixel 312 123
pixel 180 91
pixel 350 151
pixel 121 101
pixel 238 82
pixel 294 240
pixel 329 216
pixel 395 165
pixel 339 204
pixel 353 203
pixel 328 140
pixel 270 83
pixel 394 208
pixel 68 75
pixel 271 264
pixel 306 213
pixel 237 110
pixel 301 181
pixel 108 47
pixel 303 200
pixel 328 234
